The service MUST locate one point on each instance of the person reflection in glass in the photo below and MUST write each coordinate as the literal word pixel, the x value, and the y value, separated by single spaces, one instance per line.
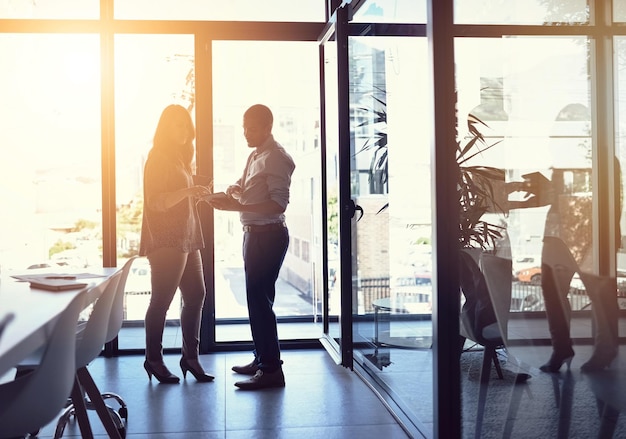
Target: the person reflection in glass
pixel 569 219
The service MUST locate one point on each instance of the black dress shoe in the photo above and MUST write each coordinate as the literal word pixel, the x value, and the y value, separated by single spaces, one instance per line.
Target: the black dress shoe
pixel 248 369
pixel 263 380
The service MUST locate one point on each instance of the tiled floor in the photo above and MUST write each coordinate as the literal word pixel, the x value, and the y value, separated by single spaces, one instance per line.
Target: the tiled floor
pixel 320 400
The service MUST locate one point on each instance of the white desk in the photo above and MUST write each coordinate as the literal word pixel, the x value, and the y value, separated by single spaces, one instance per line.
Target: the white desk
pixel 35 312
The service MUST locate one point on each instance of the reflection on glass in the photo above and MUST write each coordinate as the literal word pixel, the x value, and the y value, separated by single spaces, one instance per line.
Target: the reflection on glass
pixel 291 90
pixel 520 12
pixel 50 176
pixel 536 297
pixel 241 10
pixel 392 247
pixel 391 11
pixel 151 72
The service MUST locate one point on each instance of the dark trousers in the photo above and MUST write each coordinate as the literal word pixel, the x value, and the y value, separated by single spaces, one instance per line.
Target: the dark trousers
pixel 558 310
pixel 172 269
pixel 602 292
pixel 263 255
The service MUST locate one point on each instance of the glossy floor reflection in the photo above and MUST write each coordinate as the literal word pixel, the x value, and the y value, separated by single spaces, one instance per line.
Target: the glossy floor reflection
pixel 320 400
pixel 568 404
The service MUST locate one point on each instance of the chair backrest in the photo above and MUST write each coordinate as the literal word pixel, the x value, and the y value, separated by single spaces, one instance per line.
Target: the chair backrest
pixel 35 399
pixel 92 337
pixel 477 313
pixel 497 274
pixel 116 317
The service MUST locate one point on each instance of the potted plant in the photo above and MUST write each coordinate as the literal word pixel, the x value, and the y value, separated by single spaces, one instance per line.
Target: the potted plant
pixel 476 190
pixel 477 185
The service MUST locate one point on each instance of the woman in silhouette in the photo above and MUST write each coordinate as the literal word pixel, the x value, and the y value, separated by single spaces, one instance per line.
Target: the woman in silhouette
pixel 171 239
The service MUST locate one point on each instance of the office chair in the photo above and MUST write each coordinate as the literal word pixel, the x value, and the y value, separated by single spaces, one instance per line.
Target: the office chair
pixel 497 274
pixel 90 337
pixel 486 284
pixel 89 345
pixel 31 401
pixel 115 324
pixel 478 321
pixel 116 318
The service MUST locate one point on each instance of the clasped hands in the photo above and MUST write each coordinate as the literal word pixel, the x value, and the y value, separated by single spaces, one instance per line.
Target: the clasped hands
pixel 228 200
pixel 537 189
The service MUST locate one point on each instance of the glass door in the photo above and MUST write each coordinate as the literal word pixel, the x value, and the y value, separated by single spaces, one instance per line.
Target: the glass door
pixel 390 182
pixel 330 175
pixel 340 208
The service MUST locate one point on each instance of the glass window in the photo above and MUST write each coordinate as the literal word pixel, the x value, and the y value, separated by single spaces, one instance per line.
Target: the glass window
pixel 534 96
pixel 218 10
pixel 50 172
pixel 391 11
pixel 291 90
pixel 50 9
pixel 619 11
pixel 520 11
pixel 151 72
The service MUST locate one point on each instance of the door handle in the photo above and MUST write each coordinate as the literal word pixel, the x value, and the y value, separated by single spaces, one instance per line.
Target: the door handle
pixel 352 208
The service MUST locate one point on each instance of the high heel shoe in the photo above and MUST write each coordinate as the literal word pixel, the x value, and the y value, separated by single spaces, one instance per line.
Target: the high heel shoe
pixel 200 375
pixel 556 361
pixel 166 378
pixel 599 361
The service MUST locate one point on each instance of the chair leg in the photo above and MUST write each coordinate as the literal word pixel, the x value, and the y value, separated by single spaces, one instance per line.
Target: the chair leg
pixel 496 363
pixel 485 370
pixel 90 387
pixel 516 399
pixel 123 410
pixel 78 401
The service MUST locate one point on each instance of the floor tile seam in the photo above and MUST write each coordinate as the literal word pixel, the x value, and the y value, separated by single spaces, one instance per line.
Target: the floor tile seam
pixel 311 427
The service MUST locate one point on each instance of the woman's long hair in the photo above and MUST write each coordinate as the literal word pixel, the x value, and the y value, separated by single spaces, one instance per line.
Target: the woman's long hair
pixel 162 139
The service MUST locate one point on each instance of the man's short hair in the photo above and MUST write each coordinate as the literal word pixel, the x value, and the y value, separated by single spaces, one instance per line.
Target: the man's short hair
pixel 260 113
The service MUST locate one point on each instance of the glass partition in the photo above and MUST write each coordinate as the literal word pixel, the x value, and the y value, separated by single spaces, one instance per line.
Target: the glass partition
pixel 50 172
pixel 537 282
